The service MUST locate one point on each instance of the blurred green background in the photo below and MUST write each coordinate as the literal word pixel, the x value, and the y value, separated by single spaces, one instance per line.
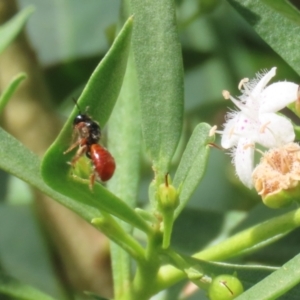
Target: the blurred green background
pixel 219 49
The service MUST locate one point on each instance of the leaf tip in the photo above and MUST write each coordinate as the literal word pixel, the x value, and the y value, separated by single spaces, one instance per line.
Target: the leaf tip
pixel 30 9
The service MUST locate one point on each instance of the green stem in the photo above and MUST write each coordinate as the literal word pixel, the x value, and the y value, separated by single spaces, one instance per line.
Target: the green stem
pixel 122 272
pixel 168 227
pixel 147 271
pixel 169 275
pixel 109 226
pixel 191 273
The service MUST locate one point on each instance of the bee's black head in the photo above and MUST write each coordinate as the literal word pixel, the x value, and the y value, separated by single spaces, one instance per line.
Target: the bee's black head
pixel 81 118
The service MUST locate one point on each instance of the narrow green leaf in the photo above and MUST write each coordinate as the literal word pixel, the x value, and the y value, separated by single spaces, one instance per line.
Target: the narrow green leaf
pixel 160 73
pixel 285 8
pixel 112 229
pixel 124 137
pixel 24 254
pixel 253 236
pixel 102 90
pixel 21 162
pixel 192 165
pixel 12 28
pixel 14 288
pixel 277 284
pixel 248 274
pixel 278 15
pixel 9 91
pixel 236 244
pixel 100 94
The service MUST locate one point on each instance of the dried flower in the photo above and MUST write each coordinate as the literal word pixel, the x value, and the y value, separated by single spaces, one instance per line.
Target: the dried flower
pixel 276 178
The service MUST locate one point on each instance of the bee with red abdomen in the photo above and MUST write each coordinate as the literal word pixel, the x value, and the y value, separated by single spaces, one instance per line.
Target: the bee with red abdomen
pixel 88 134
pixel 103 163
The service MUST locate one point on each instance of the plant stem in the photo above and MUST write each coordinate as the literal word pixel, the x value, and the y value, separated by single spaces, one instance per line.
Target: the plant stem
pixel 110 227
pixel 169 275
pixel 147 272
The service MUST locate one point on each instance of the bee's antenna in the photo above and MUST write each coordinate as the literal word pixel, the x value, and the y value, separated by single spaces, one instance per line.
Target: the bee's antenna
pixel 75 101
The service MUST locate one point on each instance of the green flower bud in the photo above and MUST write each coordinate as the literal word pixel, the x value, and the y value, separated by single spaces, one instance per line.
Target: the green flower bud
pixel 193 274
pixel 167 196
pixel 225 287
pixel 281 198
pixel 82 169
pixel 167 201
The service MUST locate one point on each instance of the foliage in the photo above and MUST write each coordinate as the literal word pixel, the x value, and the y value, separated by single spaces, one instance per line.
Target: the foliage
pixel 163 54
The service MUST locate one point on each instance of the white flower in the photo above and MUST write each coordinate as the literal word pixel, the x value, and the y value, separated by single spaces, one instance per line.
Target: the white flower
pixel 257 121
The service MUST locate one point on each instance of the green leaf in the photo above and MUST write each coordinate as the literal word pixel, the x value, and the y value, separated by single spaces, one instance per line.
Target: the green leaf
pixel 277 284
pixel 72 27
pixel 160 73
pixel 104 85
pixel 285 8
pixel 275 14
pixel 12 287
pixel 8 92
pixel 192 165
pixel 253 237
pixel 248 274
pixel 12 28
pixel 249 239
pixel 124 138
pixel 21 162
pixel 23 250
pixel 100 94
pixel 112 229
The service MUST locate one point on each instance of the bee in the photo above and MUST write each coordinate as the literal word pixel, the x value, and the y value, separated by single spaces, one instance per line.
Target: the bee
pixel 87 134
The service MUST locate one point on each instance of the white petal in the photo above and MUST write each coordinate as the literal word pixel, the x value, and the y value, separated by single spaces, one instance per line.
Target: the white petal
pixel 277 96
pixel 243 157
pixel 237 127
pixel 263 82
pixel 274 131
pixel 250 109
pixel 228 138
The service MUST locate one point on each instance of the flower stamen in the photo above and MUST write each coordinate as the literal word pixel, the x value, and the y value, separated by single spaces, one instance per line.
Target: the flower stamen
pixel 260 152
pixel 242 84
pixel 271 161
pixel 284 163
pixel 226 94
pixel 213 130
pixel 256 122
pixel 247 146
pixel 263 127
pixel 231 132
